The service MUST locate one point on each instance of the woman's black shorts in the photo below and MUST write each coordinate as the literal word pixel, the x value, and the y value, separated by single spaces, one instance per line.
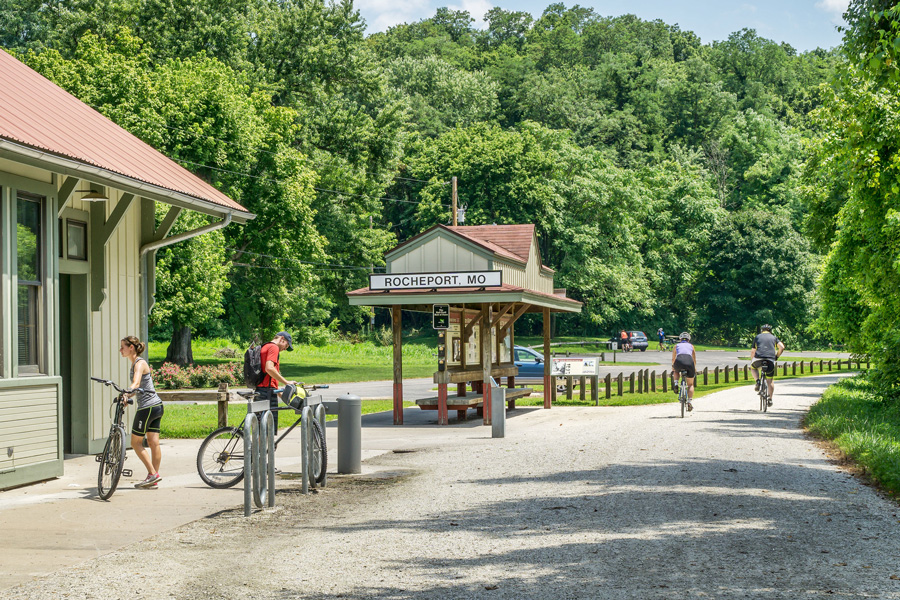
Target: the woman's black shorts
pixel 685 362
pixel 147 420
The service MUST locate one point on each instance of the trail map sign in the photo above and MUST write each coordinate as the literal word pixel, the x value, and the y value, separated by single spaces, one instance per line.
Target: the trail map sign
pixel 418 281
pixel 440 316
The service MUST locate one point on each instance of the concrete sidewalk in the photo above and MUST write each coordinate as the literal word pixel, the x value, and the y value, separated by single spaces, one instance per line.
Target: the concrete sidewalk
pixel 62 523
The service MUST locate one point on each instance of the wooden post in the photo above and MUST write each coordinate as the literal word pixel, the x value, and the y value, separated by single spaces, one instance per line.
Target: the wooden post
pixel 223 405
pixel 568 387
pixel 829 365
pixel 822 366
pixel 716 375
pixel 665 381
pixel 736 373
pixel 581 384
pixel 746 372
pixel 608 380
pixel 727 373
pixel 485 335
pixel 801 367
pixel 652 381
pixel 705 375
pixel 640 389
pixel 793 368
pixel 453 199
pixel 595 389
pixel 811 367
pixel 398 364
pixel 783 369
pixel 549 386
pixel 443 413
pixel 631 383
pixel 620 381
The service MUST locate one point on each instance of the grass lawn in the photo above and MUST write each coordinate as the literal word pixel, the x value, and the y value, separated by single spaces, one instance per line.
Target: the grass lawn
pixel 335 363
pixel 863 426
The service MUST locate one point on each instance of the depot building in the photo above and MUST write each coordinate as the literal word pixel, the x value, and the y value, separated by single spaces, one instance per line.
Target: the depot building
pixel 78 236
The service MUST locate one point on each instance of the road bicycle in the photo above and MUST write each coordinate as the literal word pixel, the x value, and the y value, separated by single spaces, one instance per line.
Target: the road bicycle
pixel 683 399
pixel 112 459
pixel 764 396
pixel 220 460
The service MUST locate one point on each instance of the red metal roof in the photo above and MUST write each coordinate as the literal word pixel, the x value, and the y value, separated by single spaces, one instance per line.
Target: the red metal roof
pixel 512 241
pixel 36 112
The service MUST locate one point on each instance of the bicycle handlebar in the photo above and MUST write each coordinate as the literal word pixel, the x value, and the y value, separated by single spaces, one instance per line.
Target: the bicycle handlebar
pixel 107 382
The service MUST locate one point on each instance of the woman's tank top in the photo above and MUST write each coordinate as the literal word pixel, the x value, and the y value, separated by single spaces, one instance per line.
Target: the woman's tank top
pixel 684 348
pixel 149 397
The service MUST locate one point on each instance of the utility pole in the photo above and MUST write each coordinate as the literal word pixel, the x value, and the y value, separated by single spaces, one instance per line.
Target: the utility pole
pixel 453 197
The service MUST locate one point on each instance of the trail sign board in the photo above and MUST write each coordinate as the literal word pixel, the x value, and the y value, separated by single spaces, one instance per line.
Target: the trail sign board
pixel 441 316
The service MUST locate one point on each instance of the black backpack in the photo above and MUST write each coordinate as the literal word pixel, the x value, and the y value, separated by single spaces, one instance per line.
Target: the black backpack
pixel 253 372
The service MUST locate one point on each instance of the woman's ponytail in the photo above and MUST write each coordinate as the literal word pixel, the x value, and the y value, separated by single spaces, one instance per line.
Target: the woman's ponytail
pixel 135 343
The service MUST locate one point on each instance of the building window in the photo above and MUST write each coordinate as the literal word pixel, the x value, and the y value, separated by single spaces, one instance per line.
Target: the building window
pixel 76 240
pixel 28 270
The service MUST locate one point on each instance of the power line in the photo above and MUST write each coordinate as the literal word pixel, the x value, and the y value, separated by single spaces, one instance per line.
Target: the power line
pixel 304 262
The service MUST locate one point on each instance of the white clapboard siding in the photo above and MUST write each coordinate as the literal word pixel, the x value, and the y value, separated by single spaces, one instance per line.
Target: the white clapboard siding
pixel 30 421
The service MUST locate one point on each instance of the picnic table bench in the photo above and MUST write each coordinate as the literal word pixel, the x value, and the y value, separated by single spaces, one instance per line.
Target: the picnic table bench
pixel 461 404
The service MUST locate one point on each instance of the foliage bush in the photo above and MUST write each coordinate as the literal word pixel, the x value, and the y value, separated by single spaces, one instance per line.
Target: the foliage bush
pixel 172 377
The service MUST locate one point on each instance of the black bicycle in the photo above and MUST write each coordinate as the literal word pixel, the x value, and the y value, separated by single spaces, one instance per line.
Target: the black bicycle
pixel 765 399
pixel 220 461
pixel 112 460
pixel 683 392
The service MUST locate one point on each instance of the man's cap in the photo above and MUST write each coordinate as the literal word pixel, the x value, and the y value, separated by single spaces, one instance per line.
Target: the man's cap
pixel 289 339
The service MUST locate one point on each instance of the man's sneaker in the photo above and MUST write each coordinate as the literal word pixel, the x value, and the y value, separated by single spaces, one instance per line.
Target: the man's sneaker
pixel 769 401
pixel 690 407
pixel 756 387
pixel 675 388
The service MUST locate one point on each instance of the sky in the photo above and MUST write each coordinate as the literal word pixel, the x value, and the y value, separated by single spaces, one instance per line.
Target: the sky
pixel 804 24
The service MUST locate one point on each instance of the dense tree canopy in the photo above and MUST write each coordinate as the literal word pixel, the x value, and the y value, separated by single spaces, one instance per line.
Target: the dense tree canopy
pixel 648 160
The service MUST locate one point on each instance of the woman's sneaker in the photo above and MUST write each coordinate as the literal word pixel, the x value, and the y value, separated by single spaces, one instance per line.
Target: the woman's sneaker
pixel 690 407
pixel 151 480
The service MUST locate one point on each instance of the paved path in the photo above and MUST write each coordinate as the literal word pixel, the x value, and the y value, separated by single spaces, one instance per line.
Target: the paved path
pixel 618 502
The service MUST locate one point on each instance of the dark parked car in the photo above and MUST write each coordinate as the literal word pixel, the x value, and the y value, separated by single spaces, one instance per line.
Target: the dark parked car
pixel 530 362
pixel 637 338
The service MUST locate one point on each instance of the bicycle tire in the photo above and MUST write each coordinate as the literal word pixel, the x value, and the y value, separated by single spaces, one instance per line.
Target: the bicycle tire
pixel 220 460
pixel 319 454
pixel 763 394
pixel 682 398
pixel 111 463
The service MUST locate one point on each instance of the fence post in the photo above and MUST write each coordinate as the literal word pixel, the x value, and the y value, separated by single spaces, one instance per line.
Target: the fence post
pixel 746 372
pixel 665 380
pixel 652 381
pixel 801 367
pixel 568 387
pixel 727 373
pixel 223 405
pixel 829 365
pixel 716 374
pixel 783 369
pixel 793 368
pixel 812 368
pixel 705 375
pixel 736 373
pixel 620 380
pixel 631 383
pixel 595 389
pixel 821 365
pixel 608 380
pixel 857 365
pixel 867 364
pixel 640 379
pixel 581 384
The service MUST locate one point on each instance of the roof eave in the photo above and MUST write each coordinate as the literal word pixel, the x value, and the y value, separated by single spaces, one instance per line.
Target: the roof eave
pixel 68 166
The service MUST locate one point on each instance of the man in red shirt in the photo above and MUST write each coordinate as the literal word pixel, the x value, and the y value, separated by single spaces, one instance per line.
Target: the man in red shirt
pixel 272 368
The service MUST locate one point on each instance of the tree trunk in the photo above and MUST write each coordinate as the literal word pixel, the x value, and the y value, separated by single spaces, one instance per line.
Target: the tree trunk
pixel 179 350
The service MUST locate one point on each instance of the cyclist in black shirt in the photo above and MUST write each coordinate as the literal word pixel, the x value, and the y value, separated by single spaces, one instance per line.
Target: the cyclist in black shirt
pixel 765 351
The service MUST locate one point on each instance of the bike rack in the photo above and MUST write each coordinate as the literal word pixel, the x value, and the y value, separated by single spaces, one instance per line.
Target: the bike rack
pixel 314 408
pixel 259 457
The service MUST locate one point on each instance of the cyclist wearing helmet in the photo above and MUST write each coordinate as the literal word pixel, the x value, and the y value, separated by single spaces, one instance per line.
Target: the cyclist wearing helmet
pixel 684 358
pixel 765 351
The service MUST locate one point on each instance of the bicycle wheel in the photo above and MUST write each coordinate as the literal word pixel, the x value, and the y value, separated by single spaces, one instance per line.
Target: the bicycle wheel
pixel 111 463
pixel 682 398
pixel 763 394
pixel 220 460
pixel 319 457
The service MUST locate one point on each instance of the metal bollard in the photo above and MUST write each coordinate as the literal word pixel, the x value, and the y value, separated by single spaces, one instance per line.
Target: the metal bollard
pixel 349 434
pixel 498 412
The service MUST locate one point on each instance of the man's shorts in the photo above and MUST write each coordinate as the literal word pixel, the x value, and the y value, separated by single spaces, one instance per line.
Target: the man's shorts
pixel 147 419
pixel 685 362
pixel 766 365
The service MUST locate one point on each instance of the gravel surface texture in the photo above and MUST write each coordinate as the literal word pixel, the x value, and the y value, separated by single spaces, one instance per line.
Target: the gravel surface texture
pixel 628 502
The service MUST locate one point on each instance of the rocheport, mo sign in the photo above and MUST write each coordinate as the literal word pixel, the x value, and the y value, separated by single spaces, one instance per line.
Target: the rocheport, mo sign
pixel 418 281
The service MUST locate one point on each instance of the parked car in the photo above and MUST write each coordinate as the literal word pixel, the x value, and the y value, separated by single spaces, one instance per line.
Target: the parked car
pixel 530 363
pixel 638 340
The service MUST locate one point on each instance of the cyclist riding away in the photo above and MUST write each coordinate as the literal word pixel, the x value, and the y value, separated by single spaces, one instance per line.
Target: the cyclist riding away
pixel 765 351
pixel 684 358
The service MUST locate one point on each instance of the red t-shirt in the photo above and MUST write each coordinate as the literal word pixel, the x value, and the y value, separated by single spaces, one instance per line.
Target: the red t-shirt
pixel 269 351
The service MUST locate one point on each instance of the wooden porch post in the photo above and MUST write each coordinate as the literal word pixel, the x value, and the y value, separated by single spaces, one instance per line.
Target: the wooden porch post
pixel 398 365
pixel 485 333
pixel 548 363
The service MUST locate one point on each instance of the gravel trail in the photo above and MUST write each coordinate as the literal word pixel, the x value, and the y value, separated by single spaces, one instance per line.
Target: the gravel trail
pixel 627 503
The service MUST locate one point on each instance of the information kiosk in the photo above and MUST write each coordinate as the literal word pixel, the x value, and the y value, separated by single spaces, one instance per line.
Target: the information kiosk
pixel 477 280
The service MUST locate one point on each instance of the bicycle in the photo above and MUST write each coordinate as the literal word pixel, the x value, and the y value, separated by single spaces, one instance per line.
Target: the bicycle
pixel 764 398
pixel 220 460
pixel 112 459
pixel 683 399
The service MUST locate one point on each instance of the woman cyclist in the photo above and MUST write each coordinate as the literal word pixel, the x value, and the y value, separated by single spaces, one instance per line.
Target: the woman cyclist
pixel 149 411
pixel 684 358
